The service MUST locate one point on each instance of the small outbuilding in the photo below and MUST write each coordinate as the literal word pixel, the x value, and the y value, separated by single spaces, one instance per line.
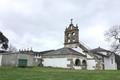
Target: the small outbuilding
pixel 17 59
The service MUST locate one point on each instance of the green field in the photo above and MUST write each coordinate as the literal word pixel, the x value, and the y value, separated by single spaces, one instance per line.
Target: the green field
pixel 55 74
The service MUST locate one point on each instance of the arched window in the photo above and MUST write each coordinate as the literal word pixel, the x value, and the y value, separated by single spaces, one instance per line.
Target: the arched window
pixel 84 64
pixel 73 33
pixel 74 40
pixel 68 40
pixel 77 62
pixel 68 35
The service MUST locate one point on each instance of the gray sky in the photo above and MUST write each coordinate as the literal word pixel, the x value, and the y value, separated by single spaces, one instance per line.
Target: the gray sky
pixel 40 24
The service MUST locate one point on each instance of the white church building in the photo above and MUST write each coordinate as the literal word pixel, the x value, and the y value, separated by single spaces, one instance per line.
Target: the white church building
pixel 76 55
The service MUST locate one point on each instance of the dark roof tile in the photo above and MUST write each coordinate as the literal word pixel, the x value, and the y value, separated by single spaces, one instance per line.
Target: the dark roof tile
pixel 64 51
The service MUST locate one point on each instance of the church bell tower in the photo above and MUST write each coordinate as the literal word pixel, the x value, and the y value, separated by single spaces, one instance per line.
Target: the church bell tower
pixel 71 36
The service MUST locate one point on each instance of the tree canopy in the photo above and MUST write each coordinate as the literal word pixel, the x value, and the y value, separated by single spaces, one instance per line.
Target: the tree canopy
pixel 3 41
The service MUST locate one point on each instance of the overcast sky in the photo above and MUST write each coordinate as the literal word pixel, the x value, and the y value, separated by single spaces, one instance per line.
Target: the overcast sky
pixel 40 24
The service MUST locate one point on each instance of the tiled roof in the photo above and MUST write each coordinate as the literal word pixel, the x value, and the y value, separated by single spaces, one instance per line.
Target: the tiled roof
pixel 43 52
pixel 99 50
pixel 2 51
pixel 64 51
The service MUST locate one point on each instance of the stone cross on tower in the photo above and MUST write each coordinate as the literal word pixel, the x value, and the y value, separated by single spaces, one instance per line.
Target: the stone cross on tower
pixel 71 36
pixel 71 20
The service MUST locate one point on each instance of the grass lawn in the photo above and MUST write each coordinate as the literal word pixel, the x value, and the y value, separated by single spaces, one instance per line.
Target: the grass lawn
pixel 37 73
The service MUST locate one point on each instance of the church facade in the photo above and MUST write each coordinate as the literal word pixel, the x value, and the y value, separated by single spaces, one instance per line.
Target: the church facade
pixel 65 58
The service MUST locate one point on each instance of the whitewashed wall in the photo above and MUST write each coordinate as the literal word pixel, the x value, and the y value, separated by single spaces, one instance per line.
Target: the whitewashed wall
pixel 12 59
pixel 28 57
pixel 91 64
pixel 0 60
pixel 56 62
pixel 108 63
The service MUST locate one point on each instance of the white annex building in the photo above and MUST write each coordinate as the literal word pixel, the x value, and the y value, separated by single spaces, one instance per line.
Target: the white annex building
pixel 76 55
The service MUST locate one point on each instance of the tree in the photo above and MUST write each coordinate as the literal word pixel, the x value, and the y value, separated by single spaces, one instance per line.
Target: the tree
pixel 11 48
pixel 3 41
pixel 113 35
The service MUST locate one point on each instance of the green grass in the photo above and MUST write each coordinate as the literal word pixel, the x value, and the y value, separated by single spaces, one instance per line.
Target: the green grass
pixel 37 73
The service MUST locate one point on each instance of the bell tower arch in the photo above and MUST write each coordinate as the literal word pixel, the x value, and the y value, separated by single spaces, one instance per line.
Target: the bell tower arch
pixel 71 36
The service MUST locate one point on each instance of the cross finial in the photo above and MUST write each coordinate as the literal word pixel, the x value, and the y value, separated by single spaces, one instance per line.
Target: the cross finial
pixel 71 20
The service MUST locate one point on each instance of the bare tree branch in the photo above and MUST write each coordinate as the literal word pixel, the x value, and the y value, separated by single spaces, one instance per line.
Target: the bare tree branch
pixel 11 48
pixel 114 34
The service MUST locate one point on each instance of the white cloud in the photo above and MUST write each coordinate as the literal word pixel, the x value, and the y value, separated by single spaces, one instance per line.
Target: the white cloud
pixel 94 36
pixel 40 23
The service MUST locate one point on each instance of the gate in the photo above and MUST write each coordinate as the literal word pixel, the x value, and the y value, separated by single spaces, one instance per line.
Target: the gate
pixel 22 62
